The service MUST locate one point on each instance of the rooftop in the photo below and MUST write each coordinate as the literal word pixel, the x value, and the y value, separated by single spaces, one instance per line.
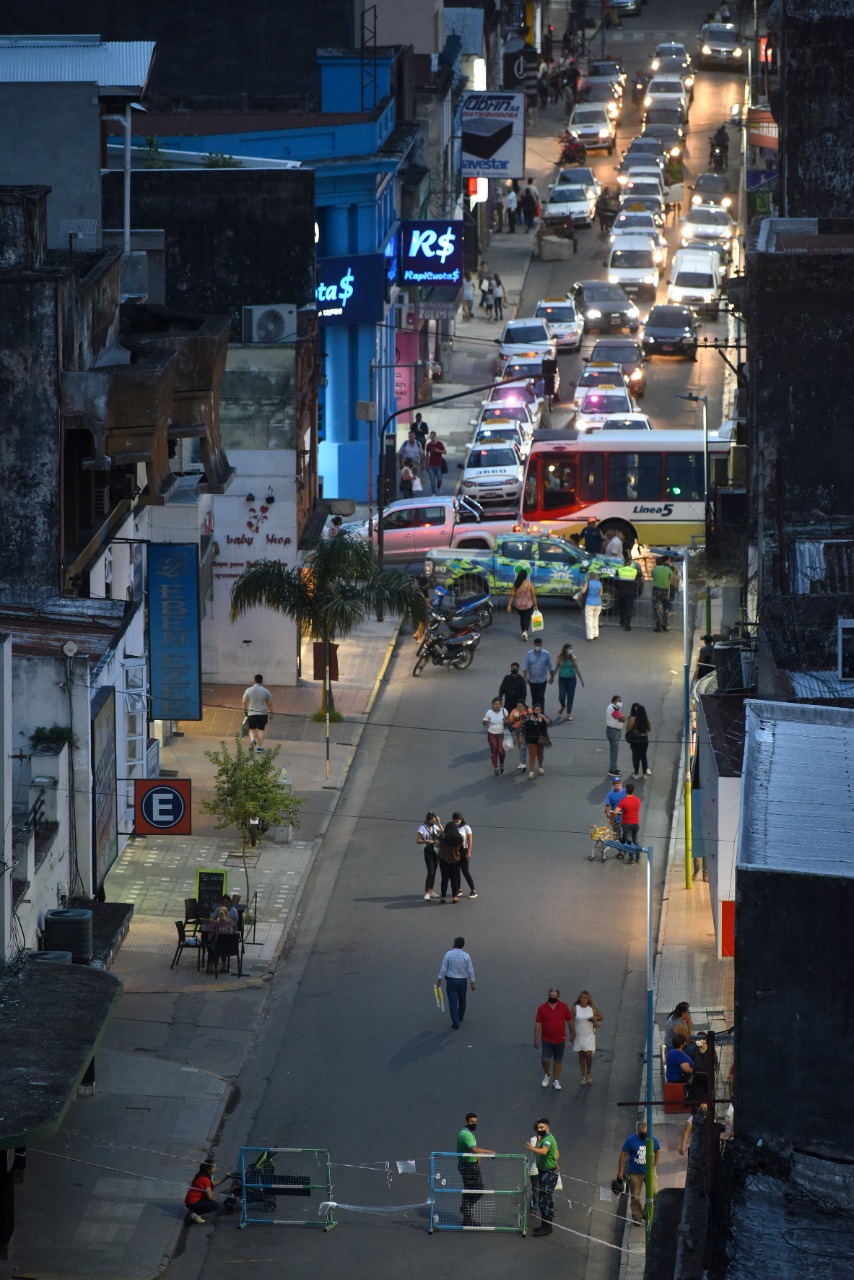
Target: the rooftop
pixel 120 68
pixel 806 235
pixel 798 780
pixel 724 715
pixel 41 629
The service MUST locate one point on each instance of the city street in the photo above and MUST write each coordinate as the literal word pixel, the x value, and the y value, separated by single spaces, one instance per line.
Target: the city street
pixel 354 1056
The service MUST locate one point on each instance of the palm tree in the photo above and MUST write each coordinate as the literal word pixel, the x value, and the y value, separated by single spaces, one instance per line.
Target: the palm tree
pixel 331 591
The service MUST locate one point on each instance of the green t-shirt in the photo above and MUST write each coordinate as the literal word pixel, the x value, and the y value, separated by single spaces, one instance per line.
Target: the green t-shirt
pixel 550 1159
pixel 661 576
pixel 465 1141
pixel 567 669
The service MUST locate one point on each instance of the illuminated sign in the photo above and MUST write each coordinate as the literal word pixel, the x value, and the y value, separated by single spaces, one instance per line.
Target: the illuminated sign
pixel 432 253
pixel 351 289
pixel 174 631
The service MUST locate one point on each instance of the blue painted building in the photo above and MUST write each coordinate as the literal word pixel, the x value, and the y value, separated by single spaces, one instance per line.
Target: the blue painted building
pixel 360 153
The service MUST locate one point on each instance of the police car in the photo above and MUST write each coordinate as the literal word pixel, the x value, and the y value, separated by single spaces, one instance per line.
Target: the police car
pixel 566 324
pixel 493 473
pixel 600 403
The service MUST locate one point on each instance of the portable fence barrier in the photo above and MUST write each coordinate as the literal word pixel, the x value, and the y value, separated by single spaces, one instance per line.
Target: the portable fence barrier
pixel 484 1193
pixel 286 1186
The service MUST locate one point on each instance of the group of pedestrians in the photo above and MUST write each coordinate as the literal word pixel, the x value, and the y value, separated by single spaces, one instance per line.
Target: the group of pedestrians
pixel 622 809
pixel 421 451
pixel 637 726
pixel 447 850
pixel 516 716
pixel 491 291
pixel 514 204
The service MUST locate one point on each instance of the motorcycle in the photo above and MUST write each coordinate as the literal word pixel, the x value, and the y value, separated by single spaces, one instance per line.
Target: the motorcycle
pixel 639 91
pixel 572 150
pixel 718 155
pixel 455 651
pixel 469 608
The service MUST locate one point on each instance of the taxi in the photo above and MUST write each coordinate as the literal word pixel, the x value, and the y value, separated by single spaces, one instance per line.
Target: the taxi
pixel 565 322
pixel 507 398
pixel 598 373
pixel 600 403
pixel 514 411
pixel 493 473
pixel 506 432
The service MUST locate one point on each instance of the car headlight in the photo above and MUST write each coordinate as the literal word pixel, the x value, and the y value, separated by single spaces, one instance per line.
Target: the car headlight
pixel 674 151
pixel 676 295
pixel 656 63
pixel 604 133
pixel 593 314
pixel 696 200
pixel 635 375
pixel 647 102
pixel 648 280
pixel 689 82
pixel 687 232
pixel 705 50
pixel 648 339
pixel 633 313
pixel 613 278
pixel 622 179
pixel 737 53
pixel 726 202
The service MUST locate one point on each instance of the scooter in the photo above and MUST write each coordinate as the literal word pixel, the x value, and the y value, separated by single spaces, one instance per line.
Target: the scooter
pixel 639 91
pixel 475 608
pixel 447 629
pixel 451 651
pixel 718 155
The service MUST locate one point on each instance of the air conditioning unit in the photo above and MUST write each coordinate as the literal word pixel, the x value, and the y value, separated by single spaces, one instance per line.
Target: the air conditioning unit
pixel 271 324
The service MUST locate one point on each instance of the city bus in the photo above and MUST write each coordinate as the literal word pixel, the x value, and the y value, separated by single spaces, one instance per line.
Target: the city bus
pixel 648 485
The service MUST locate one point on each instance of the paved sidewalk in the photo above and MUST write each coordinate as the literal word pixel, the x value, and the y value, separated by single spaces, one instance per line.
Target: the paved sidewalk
pixel 116 1173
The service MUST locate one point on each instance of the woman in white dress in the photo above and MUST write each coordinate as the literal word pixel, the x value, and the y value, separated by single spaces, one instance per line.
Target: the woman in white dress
pixel 586 1021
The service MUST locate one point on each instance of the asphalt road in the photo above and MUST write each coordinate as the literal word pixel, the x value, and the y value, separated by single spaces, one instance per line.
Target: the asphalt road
pixel 354 1056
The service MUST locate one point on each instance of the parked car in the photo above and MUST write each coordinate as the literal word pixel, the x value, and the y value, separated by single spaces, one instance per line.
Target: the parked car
pixel 556 567
pixel 412 526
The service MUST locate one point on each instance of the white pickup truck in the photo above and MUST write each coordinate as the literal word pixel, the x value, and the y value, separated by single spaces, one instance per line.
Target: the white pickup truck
pixel 413 526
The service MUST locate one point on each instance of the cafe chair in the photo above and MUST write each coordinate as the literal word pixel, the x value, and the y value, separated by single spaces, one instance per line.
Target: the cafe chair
pixel 194 943
pixel 226 947
pixel 191 914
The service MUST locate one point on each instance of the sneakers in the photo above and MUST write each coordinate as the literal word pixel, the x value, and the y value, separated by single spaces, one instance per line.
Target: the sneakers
pixel 197 1217
pixel 473 893
pixel 546 1081
pixel 541 772
pixel 530 775
pixel 648 773
pixel 495 771
pixel 634 775
pixel 524 635
pixel 557 1085
pixel 520 768
pixel 427 897
pixel 501 768
pixel 260 751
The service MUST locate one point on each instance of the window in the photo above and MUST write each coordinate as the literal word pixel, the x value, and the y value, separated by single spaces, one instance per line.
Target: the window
pixel 516 549
pixel 592 477
pixel 551 554
pixel 432 516
pixel 634 477
pixel 559 485
pixel 399 519
pixel 684 476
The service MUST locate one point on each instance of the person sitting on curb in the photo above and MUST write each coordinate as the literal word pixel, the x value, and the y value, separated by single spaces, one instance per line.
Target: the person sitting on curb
pixel 200 1199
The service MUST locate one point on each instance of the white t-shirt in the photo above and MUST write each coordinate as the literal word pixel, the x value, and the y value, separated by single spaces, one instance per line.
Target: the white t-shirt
pixel 614 547
pixel 428 834
pixel 495 720
pixel 465 831
pixel 611 720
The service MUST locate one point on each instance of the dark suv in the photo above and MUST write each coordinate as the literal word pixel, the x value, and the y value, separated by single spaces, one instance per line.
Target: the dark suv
pixel 606 308
pixel 670 331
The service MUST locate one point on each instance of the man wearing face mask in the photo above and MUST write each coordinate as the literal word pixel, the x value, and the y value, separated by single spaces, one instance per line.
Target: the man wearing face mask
pixel 544 1148
pixel 554 1019
pixel 614 720
pixel 468 1163
pixel 633 1161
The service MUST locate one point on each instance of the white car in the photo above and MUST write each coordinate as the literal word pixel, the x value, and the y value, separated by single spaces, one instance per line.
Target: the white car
pixel 522 392
pixel 594 127
pixel 639 222
pixel 504 431
pixel 601 403
pixel 525 416
pixel 667 91
pixel 493 473
pixel 566 324
pixel 526 338
pixel 705 225
pixel 626 422
pixel 579 175
pixel 572 198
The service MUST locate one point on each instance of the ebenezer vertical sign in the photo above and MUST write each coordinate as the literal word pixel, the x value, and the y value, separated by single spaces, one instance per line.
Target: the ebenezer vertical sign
pixel 173 631
pixel 493 128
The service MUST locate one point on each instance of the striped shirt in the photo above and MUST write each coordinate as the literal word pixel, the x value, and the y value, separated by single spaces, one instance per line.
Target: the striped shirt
pixel 456 963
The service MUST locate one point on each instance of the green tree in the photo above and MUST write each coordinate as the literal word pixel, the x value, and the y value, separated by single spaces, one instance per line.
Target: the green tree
pixel 334 588
pixel 246 787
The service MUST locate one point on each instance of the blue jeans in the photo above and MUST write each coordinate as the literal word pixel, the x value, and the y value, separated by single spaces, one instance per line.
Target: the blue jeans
pixel 435 479
pixel 613 736
pixel 566 691
pixel 456 988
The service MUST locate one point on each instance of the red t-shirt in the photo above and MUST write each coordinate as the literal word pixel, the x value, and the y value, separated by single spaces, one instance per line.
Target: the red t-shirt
pixel 630 806
pixel 553 1021
pixel 434 450
pixel 198 1187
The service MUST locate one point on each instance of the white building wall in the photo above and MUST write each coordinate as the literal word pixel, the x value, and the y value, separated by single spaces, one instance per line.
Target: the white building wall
pixel 245 530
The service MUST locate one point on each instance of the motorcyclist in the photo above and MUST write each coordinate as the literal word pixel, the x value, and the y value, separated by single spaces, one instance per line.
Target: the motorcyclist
pixel 720 138
pixel 639 87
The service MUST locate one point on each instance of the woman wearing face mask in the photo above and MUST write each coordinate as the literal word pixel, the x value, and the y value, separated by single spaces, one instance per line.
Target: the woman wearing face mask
pixel 590 597
pixel 427 835
pixel 586 1021
pixel 465 857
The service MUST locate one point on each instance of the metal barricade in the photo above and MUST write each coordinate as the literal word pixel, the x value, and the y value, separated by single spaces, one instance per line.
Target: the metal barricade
pixel 286 1186
pixel 486 1193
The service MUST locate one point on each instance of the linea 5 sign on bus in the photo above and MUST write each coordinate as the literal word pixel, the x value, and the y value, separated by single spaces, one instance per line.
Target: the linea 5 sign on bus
pixel 493 135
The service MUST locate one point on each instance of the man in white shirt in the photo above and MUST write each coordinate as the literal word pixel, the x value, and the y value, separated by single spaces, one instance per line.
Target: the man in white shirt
pixel 614 545
pixel 614 720
pixel 495 719
pixel 257 707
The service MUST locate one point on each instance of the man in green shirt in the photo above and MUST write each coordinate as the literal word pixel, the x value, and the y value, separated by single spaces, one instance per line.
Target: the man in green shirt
pixel 661 594
pixel 469 1167
pixel 544 1148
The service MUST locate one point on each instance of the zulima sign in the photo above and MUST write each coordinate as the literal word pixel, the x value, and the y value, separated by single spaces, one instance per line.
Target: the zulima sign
pixel 351 289
pixel 432 253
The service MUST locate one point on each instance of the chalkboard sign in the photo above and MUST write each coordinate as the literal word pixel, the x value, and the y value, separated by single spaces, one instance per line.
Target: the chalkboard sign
pixel 210 886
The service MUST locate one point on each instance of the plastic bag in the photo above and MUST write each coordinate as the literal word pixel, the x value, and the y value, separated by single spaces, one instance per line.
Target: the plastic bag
pixel 244 728
pixel 536 621
pixel 507 744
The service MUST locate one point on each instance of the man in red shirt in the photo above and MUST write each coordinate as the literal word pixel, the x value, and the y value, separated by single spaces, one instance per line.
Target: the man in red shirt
pixel 550 1028
pixel 630 810
pixel 435 451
